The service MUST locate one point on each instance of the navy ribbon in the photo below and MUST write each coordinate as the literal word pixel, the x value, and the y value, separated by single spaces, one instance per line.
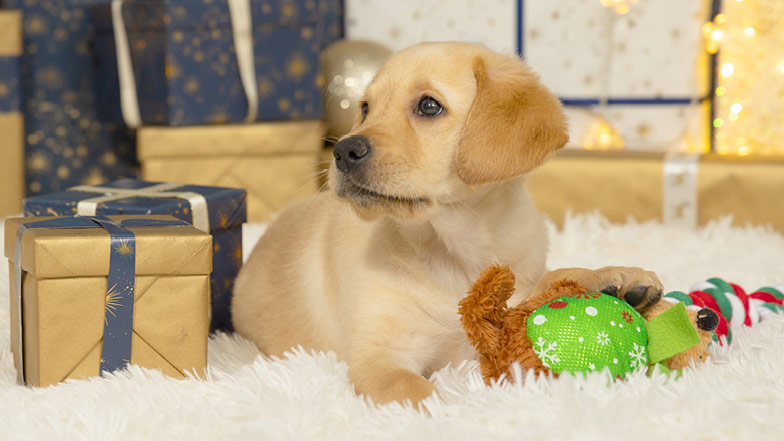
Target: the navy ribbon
pixel 118 317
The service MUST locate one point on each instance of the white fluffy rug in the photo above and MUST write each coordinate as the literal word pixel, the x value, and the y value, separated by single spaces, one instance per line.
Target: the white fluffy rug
pixel 737 395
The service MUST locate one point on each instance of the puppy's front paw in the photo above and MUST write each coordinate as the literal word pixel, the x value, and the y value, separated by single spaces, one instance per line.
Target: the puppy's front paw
pixel 637 287
pixel 388 385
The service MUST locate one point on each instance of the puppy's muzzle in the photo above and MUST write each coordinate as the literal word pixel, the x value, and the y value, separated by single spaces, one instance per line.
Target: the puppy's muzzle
pixel 350 153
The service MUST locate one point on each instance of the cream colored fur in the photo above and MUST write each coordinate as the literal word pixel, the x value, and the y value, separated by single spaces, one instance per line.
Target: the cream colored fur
pixel 378 279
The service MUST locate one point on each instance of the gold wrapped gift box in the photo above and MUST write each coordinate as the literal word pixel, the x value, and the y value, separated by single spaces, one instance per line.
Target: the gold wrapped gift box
pixel 11 123
pixel 276 162
pixel 649 185
pixel 64 299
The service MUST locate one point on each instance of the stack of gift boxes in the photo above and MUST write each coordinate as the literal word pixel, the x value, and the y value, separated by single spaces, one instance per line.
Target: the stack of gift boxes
pixel 634 79
pixel 216 105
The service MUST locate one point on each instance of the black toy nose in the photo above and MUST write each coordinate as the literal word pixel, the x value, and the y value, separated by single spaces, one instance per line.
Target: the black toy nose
pixel 351 152
pixel 707 319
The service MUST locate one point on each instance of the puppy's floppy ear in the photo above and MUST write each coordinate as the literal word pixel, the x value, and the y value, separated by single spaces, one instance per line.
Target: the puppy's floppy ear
pixel 514 125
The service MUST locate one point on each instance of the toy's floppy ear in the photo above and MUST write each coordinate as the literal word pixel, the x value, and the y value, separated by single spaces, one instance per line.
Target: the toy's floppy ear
pixel 514 125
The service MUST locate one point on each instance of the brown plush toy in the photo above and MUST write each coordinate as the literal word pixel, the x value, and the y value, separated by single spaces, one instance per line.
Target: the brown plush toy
pixel 568 329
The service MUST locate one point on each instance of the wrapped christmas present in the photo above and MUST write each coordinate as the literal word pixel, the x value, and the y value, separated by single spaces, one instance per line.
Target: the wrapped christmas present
pixel 620 87
pixel 403 23
pixel 65 142
pixel 193 62
pixel 11 120
pixel 216 210
pixel 93 294
pixel 678 189
pixel 276 162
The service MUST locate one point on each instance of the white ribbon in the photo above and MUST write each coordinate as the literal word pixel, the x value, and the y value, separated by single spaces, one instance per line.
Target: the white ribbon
pixel 679 192
pixel 198 204
pixel 242 31
pixel 129 99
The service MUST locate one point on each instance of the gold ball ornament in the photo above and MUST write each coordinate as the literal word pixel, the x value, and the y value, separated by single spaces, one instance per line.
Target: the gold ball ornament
pixel 348 66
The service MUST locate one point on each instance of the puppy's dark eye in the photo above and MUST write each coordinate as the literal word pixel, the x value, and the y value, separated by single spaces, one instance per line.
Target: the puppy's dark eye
pixel 428 106
pixel 364 110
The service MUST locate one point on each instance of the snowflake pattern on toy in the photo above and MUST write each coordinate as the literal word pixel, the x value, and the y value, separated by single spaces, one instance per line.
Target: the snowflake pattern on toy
pixel 587 333
pixel 638 357
pixel 548 354
pixel 587 295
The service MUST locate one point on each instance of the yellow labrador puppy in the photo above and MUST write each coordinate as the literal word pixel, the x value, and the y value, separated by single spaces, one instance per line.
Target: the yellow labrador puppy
pixel 426 191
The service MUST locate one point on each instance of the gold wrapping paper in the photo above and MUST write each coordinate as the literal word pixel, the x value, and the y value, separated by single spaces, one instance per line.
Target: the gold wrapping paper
pixel 11 163
pixel 11 32
pixel 64 298
pixel 11 124
pixel 275 162
pixel 622 184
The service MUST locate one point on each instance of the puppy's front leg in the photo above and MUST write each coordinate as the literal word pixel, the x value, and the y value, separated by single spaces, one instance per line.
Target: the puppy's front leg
pixel 381 376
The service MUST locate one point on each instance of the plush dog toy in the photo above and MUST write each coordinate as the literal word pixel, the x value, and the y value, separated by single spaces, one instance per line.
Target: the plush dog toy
pixel 568 329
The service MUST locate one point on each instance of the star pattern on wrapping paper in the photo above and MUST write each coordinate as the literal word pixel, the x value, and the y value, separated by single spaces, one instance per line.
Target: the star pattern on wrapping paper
pixel 112 301
pixel 124 248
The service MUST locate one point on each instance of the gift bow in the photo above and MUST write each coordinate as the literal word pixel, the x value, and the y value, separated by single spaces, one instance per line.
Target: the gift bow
pixel 243 50
pixel 120 283
pixel 200 216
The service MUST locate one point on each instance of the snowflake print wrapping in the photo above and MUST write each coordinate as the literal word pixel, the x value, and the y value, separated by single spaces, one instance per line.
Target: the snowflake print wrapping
pixel 547 354
pixel 638 356
pixel 577 335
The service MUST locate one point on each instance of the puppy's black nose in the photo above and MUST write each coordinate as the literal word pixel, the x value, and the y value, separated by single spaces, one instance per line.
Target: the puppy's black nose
pixel 351 152
pixel 707 319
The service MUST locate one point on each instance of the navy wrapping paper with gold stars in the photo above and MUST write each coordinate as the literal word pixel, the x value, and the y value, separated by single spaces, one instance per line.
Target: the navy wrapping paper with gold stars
pixel 218 210
pixel 66 144
pixel 185 65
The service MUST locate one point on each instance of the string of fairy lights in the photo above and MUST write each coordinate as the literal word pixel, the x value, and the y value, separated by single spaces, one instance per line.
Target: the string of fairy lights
pixel 748 36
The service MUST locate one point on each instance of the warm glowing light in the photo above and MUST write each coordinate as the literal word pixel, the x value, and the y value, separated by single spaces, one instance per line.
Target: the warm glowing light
pixel 602 136
pixel 717 34
pixel 727 69
pixel 748 98
pixel 621 6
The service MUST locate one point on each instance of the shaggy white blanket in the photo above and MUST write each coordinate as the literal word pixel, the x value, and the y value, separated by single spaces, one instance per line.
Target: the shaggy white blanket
pixel 736 395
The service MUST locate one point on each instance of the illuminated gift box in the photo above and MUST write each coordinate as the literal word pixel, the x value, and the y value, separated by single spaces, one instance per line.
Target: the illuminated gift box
pixel 678 189
pixel 66 144
pixel 647 64
pixel 275 162
pixel 216 210
pixel 190 60
pixel 92 294
pixel 11 120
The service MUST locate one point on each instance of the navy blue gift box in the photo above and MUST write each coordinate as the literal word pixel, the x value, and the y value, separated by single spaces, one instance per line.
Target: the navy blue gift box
pixel 223 216
pixel 10 99
pixel 66 144
pixel 186 72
